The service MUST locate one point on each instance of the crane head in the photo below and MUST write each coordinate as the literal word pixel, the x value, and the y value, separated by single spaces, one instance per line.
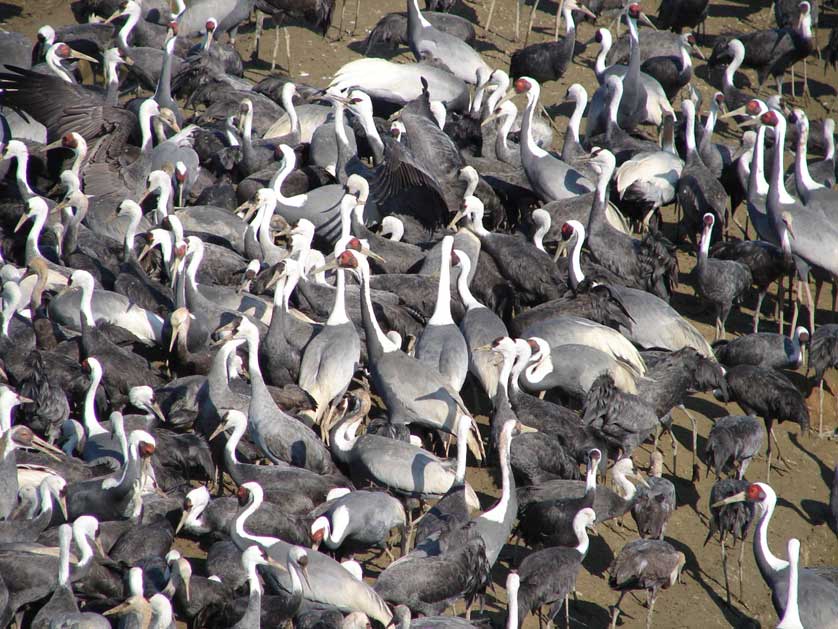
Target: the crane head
pixel 634 11
pixel 243 495
pixel 146 449
pixel 522 85
pixel 211 24
pixel 770 118
pixel 567 231
pixel 719 98
pixel 455 259
pixel 709 219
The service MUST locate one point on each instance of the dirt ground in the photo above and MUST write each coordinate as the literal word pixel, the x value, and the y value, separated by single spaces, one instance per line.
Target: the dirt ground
pixel 802 490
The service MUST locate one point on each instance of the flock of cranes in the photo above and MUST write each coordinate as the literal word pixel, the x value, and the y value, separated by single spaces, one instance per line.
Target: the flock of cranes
pixel 291 302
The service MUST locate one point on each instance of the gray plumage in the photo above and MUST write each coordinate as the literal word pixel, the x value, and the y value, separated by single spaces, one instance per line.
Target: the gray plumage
pixel 764 349
pixel 732 442
pixel 654 502
pixel 622 419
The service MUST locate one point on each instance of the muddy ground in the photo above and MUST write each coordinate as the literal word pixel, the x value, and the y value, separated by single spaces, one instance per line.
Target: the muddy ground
pixel 803 489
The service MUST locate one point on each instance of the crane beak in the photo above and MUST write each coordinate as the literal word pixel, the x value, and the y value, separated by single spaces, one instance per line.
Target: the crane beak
pixel 184 516
pixel 127 60
pixel 20 223
pixel 372 254
pixel 698 53
pixel 158 412
pixel 645 19
pixel 574 6
pixel 47 448
pixel 274 563
pixel 75 54
pixel 99 547
pixel 218 430
pixel 739 111
pixel 304 570
pixel 326 267
pixel 457 218
pixel 113 16
pixel 489 119
pixel 145 251
pixel 53 145
pixel 175 333
pixel 740 497
pixel 483 348
pixel 240 211
pixel 119 609
pixel 522 428
pixel 560 250
pixel 62 503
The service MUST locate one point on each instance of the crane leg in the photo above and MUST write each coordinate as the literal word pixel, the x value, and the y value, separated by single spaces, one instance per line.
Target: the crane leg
pixel 489 17
pixel 558 20
pixel 357 15
pixel 340 20
pixel 260 26
pixel 757 310
pixel 820 408
pixel 651 601
pixel 741 554
pixel 812 306
pixel 287 46
pixel 615 612
pixel 724 567
pixel 277 24
pixel 779 454
pixel 518 20
pixel 529 26
pixel 567 610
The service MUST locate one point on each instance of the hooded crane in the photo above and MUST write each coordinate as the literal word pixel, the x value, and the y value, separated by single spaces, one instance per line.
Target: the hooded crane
pixel 721 282
pixel 546 577
pixel 551 178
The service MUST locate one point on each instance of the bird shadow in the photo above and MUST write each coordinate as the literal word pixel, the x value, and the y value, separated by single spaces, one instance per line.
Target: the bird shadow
pixel 790 505
pixel 8 11
pixel 735 616
pixel 825 471
pixel 815 509
pixel 599 556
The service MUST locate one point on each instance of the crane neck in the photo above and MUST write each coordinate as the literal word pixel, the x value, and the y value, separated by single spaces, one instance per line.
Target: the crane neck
pixel 463 425
pixel 710 123
pixel 338 314
pixel 505 372
pixel 22 158
pixel 690 131
pixel 469 300
pixel 280 177
pixel 241 537
pixel 633 72
pixel 344 148
pixel 163 92
pixel 600 64
pixel 569 25
pixel 32 249
pixel 791 616
pixel 803 179
pixel 247 128
pixel 575 274
pixel 125 32
pixel 757 185
pixel 733 66
pixel 522 359
pixel 83 544
pixel 291 110
pixel 257 382
pixel 776 186
pixel 575 121
pixel 512 608
pixel 704 245
pixel 112 83
pixel 580 530
pixel 146 113
pixel 86 305
pixel 829 138
pixel 498 512
pixel 232 443
pixel 345 437
pixel 376 339
pixel 442 310
pixel 769 565
pixel 529 144
pixel 255 586
pixel 614 103
pixel 135 214
pixel 65 535
pixel 538 236
pixel 626 486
